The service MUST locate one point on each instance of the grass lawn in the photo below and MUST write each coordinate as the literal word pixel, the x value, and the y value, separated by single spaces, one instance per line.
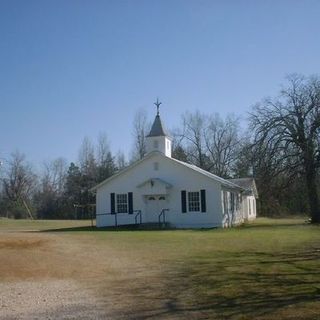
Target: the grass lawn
pixel 268 269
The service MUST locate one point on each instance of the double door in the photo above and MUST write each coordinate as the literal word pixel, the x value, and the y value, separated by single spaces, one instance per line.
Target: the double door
pixel 155 203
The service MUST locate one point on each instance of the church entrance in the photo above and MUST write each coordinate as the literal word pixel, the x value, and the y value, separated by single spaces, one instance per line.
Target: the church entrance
pixel 155 204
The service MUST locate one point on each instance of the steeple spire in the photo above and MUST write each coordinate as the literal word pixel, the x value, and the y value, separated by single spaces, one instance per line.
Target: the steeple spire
pixel 158 139
pixel 157 129
pixel 157 104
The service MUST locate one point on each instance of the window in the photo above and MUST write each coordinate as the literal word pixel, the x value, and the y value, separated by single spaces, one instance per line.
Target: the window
pixel 151 198
pixel 168 145
pixel 156 166
pixel 232 200
pixel 225 202
pixel 194 201
pixel 122 203
pixel 238 203
pixel 162 198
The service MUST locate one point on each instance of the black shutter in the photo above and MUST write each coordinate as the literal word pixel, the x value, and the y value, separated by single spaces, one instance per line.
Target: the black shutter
pixel 130 202
pixel 203 201
pixel 183 201
pixel 112 202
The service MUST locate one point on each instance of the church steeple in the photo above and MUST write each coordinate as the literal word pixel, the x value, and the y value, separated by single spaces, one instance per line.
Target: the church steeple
pixel 158 139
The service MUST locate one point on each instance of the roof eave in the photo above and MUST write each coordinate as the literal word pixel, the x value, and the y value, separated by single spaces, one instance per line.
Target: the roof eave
pixel 149 155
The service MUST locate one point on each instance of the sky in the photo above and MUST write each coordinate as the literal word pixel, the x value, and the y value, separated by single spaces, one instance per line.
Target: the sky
pixel 70 69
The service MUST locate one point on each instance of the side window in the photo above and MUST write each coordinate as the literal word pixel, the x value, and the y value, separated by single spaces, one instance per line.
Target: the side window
pixel 122 203
pixel 232 201
pixel 225 201
pixel 194 201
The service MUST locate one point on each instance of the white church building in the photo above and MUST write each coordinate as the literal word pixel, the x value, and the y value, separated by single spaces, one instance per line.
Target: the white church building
pixel 164 190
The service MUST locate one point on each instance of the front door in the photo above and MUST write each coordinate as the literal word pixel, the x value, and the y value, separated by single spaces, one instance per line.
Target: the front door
pixel 155 204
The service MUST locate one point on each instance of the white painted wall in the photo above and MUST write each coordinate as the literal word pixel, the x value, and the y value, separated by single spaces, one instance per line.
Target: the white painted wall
pixel 232 215
pixel 160 143
pixel 180 177
pixel 249 207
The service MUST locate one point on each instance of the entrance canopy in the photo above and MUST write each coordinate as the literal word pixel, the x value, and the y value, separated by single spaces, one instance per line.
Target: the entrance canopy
pixel 154 186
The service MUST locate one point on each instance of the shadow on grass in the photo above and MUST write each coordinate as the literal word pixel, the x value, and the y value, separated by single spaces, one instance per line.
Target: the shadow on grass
pixel 104 229
pixel 72 229
pixel 156 227
pixel 241 287
pixel 273 225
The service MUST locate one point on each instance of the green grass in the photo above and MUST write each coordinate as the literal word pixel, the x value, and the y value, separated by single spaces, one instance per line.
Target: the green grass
pixel 266 269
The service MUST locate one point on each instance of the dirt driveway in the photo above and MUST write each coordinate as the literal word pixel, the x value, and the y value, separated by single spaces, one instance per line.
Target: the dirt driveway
pixel 61 275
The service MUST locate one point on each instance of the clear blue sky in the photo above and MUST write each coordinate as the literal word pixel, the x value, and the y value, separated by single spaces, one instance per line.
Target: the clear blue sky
pixel 70 69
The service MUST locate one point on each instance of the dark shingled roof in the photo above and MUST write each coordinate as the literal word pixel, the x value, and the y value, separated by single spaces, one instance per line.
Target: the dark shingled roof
pixel 247 184
pixel 157 128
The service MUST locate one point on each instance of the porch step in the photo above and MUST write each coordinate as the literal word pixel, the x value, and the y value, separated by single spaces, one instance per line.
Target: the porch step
pixel 142 226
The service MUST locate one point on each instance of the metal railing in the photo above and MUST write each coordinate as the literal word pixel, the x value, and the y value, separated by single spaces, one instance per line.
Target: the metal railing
pixel 111 214
pixel 138 215
pixel 163 216
pixel 115 214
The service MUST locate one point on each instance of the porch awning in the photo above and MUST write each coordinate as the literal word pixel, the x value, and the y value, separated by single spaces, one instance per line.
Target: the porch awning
pixel 154 186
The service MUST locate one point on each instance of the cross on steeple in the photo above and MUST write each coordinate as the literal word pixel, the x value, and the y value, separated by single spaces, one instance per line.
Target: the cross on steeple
pixel 157 104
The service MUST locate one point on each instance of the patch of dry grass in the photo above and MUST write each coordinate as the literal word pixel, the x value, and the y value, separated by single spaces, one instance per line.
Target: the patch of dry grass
pixel 268 269
pixel 21 243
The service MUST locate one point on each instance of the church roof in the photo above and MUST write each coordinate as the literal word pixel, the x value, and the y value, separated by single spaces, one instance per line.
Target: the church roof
pixel 212 176
pixel 246 183
pixel 223 181
pixel 157 128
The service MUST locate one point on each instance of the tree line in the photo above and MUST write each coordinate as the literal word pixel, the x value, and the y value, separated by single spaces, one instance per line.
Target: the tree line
pixel 280 148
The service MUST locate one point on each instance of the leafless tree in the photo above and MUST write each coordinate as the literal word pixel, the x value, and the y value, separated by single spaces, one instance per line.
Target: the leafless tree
pixel 105 165
pixel 287 128
pixel 87 159
pixel 54 176
pixel 19 180
pixel 178 148
pixel 193 132
pixel 103 148
pixel 222 144
pixel 140 130
pixel 210 142
pixel 120 160
pixel 50 191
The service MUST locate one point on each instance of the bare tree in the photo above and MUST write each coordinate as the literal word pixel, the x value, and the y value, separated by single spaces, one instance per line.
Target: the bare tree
pixel 194 126
pixel 140 130
pixel 120 160
pixel 87 159
pixel 49 197
pixel 222 144
pixel 103 148
pixel 19 180
pixel 209 142
pixel 288 129
pixel 105 161
pixel 54 175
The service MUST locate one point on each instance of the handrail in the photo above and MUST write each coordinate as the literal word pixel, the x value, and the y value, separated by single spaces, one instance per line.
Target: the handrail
pixel 111 214
pixel 163 215
pixel 138 214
